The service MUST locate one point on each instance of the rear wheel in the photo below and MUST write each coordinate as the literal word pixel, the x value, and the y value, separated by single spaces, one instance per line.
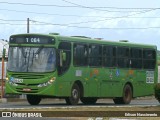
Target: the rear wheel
pixel 127 96
pixel 88 100
pixel 33 99
pixel 75 95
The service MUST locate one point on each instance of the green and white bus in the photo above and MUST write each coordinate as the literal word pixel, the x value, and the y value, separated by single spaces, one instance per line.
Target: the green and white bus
pixel 79 68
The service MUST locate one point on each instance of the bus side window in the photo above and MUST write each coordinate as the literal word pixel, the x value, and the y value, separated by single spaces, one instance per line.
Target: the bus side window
pixel 109 56
pixel 80 55
pixel 149 59
pixel 66 47
pixel 136 58
pixel 95 55
pixel 123 57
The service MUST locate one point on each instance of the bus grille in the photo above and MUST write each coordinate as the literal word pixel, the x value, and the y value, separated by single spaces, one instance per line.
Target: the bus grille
pixel 28 76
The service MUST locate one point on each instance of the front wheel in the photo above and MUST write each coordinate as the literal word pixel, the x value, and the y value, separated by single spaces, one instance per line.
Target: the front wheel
pixel 127 96
pixel 75 95
pixel 33 99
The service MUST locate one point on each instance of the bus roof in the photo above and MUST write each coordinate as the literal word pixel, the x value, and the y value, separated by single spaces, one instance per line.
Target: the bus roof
pixel 84 39
pixel 107 42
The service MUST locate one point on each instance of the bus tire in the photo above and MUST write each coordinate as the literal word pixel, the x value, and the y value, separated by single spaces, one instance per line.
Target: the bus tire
pixel 75 95
pixel 127 96
pixel 88 100
pixel 33 99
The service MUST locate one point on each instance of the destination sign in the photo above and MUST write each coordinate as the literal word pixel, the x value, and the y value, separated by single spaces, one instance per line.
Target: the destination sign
pixel 32 40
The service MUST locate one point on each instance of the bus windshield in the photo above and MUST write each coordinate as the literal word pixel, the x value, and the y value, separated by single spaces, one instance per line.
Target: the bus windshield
pixel 31 59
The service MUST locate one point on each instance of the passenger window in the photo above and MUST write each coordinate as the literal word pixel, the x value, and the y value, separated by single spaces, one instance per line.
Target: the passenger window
pixel 95 55
pixel 136 58
pixel 123 57
pixel 80 55
pixel 149 59
pixel 109 56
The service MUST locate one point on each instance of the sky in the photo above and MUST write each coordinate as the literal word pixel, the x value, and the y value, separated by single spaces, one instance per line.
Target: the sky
pixel 133 20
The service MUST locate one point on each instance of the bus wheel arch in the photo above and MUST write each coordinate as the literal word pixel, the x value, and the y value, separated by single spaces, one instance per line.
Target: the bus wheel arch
pixel 81 88
pixel 127 95
pixel 76 90
pixel 130 84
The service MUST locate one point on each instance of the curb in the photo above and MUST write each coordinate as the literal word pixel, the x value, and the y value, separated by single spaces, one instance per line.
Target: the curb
pixel 3 100
pixel 6 100
pixel 16 100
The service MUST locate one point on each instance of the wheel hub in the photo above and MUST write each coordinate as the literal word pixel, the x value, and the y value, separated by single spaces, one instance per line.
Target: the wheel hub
pixel 75 94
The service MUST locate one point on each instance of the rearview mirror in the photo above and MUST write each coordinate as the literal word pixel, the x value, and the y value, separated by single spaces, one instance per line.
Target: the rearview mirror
pixel 62 57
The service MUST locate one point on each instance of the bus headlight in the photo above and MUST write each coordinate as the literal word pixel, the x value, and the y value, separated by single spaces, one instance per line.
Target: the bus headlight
pixel 52 79
pixel 11 82
pixel 47 83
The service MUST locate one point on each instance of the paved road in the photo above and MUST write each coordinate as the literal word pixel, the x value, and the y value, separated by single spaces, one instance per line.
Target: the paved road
pixel 59 105
pixel 51 103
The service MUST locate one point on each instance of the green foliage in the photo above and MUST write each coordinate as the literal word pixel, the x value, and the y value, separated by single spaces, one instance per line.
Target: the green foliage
pixel 158 60
pixel 158 53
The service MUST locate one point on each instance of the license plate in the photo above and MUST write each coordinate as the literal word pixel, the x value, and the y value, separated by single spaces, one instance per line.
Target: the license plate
pixel 27 89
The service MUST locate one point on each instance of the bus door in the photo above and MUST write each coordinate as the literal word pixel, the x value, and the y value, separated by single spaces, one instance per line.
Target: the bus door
pixel 64 71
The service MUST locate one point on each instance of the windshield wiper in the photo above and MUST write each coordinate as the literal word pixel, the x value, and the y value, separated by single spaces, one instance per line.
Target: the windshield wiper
pixel 28 58
pixel 39 50
pixel 24 54
pixel 33 56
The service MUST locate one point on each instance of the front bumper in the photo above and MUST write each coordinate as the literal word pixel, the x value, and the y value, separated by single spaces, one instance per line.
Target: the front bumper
pixel 48 90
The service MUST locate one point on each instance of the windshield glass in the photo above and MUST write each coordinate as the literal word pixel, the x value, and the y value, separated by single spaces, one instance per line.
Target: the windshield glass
pixel 31 59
